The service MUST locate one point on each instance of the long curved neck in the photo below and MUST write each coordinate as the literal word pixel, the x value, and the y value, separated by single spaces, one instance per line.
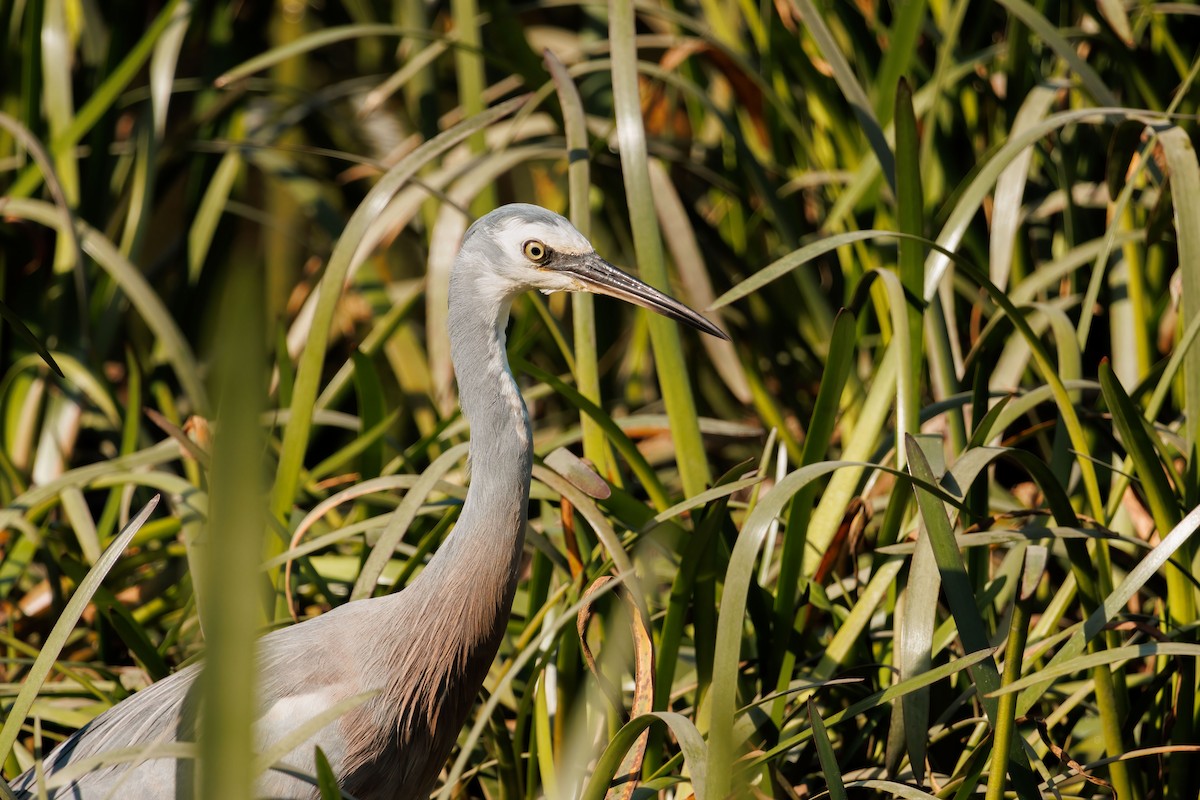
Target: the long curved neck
pixel 501 441
pixel 483 553
pixel 450 621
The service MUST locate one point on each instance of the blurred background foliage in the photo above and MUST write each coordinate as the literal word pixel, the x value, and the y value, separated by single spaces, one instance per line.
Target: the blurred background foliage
pixel 1011 383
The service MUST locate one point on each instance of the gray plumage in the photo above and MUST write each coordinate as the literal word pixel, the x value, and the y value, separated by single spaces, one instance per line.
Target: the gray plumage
pixel 428 648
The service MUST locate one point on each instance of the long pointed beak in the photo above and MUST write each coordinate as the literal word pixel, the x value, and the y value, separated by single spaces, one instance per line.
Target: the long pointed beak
pixel 603 278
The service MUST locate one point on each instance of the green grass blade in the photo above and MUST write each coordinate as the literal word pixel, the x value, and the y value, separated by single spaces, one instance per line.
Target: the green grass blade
pixel 664 333
pixel 961 598
pixel 704 498
pixel 1164 505
pixel 126 626
pixel 17 325
pixel 617 437
pixel 1047 33
pixel 694 282
pixel 910 212
pixel 902 45
pixel 825 753
pixel 821 427
pixel 372 411
pixel 212 206
pixel 327 782
pixel 583 307
pixel 690 742
pixel 231 598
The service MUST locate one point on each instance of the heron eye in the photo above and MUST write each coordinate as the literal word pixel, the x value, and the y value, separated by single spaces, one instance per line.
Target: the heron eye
pixel 535 250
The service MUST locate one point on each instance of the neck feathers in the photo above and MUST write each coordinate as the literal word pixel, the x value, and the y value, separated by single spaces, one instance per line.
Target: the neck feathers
pixel 481 557
pixel 501 439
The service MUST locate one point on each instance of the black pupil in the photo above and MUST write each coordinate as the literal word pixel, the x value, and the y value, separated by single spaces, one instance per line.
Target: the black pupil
pixel 535 251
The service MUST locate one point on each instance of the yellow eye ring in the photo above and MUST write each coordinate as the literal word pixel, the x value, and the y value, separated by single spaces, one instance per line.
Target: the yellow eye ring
pixel 535 251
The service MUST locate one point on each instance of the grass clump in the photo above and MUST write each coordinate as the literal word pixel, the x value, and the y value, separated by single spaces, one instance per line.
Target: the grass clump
pixel 923 529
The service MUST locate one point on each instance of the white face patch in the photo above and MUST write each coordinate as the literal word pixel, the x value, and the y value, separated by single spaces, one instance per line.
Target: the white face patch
pixel 505 258
pixel 561 238
pixel 519 271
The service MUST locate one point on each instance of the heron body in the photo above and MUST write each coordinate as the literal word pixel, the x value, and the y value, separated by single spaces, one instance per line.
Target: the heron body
pixel 424 652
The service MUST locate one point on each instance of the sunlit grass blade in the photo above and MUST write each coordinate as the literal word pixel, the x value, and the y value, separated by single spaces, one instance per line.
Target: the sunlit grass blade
pixel 690 743
pixel 1133 582
pixel 1115 656
pixel 1010 188
pixel 59 101
pixel 1185 195
pixel 212 206
pixel 583 314
pixel 306 44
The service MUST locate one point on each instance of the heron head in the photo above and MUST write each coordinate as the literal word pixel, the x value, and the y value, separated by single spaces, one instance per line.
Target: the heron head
pixel 523 247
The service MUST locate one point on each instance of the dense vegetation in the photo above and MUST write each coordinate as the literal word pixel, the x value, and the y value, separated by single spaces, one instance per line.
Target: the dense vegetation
pixel 920 530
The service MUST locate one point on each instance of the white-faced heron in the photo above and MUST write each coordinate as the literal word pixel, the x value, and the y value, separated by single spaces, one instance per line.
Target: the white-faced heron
pixel 426 649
